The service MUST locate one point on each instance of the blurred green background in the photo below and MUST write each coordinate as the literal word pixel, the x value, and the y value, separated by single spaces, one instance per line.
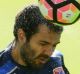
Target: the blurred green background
pixel 70 40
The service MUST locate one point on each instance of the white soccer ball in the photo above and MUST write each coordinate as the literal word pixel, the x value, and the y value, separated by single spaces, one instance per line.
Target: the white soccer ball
pixel 63 12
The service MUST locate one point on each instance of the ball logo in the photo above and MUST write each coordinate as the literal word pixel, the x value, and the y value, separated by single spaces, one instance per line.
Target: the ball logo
pixel 68 15
pixel 58 70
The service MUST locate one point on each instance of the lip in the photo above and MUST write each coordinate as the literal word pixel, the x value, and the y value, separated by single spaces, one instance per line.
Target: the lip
pixel 42 60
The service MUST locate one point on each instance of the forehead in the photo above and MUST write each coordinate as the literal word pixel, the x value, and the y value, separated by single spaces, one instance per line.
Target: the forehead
pixel 46 35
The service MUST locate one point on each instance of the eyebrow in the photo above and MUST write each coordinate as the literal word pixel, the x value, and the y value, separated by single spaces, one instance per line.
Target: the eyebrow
pixel 46 42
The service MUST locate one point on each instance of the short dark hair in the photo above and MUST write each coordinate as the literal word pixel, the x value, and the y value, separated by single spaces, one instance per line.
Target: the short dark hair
pixel 29 19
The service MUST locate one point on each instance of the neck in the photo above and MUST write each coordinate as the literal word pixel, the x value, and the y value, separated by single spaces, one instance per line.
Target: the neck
pixel 16 54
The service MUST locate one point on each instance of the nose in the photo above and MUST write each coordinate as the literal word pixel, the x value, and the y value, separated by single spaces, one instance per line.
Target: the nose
pixel 48 51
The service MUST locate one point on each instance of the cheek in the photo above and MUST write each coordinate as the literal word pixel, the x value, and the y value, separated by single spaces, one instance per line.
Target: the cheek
pixel 28 51
pixel 36 48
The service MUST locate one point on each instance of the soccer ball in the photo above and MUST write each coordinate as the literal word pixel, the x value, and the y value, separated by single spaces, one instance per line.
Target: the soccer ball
pixel 65 12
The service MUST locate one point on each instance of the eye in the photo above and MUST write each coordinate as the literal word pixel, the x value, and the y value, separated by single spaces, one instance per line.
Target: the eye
pixel 54 45
pixel 43 44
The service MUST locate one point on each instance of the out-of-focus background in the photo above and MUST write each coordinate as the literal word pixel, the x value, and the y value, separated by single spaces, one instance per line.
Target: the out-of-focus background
pixel 70 40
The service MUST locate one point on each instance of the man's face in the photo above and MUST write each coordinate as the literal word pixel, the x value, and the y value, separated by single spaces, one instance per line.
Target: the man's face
pixel 38 50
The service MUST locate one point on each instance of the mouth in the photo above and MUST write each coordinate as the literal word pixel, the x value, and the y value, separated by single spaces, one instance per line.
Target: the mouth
pixel 42 60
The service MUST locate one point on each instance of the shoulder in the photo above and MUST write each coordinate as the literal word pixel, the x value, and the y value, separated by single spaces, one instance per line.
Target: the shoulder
pixel 60 60
pixel 4 54
pixel 57 57
pixel 56 53
pixel 3 57
pixel 5 62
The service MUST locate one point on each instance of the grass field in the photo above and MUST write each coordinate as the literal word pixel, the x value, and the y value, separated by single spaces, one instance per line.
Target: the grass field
pixel 70 40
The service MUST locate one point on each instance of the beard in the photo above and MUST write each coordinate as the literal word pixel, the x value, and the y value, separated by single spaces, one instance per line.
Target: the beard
pixel 29 57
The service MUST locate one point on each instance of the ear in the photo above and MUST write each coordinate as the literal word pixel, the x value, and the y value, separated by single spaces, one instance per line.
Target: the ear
pixel 21 35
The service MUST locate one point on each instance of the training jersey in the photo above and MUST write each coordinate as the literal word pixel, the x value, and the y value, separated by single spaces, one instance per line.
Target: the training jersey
pixel 9 66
